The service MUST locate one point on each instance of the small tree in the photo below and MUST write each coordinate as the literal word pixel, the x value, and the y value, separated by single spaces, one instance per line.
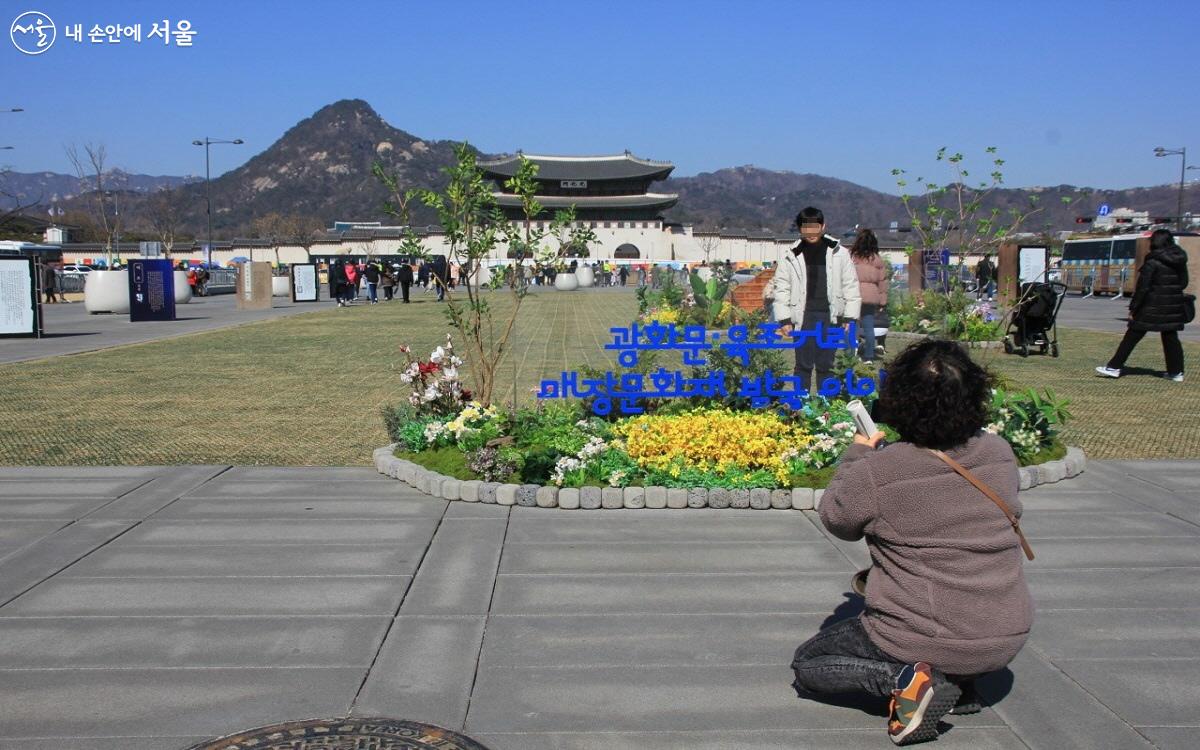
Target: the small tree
pixel 571 237
pixel 271 228
pixel 165 212
pixel 89 170
pixel 709 243
pixel 301 230
pixel 959 215
pixel 473 227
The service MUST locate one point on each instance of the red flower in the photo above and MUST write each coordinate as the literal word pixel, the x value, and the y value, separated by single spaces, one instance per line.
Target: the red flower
pixel 428 368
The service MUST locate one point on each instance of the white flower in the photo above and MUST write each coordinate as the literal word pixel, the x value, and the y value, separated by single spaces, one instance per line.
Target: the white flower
pixel 438 355
pixel 450 373
pixel 614 479
pixel 431 393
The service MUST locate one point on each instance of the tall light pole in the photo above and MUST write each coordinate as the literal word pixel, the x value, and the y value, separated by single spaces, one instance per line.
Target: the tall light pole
pixel 208 190
pixel 1182 153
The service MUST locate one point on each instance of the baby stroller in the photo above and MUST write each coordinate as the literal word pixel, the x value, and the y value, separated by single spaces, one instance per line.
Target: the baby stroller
pixel 1034 318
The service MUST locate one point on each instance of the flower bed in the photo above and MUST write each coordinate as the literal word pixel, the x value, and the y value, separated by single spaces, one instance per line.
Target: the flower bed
pixel 675 445
pixel 954 315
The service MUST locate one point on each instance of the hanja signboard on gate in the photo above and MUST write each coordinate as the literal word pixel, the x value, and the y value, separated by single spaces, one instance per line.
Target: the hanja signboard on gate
pixel 623 391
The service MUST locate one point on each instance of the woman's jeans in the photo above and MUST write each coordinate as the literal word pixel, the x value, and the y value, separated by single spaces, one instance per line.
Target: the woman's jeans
pixel 866 330
pixel 1172 350
pixel 842 659
pixel 372 292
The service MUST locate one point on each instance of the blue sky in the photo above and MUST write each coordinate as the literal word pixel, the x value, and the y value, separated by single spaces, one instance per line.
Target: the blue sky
pixel 1070 92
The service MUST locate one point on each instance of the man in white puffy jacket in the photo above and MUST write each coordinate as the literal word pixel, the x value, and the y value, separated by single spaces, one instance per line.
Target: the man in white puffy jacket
pixel 815 282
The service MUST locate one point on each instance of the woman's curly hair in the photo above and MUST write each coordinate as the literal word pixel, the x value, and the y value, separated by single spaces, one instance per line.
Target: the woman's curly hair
pixel 935 395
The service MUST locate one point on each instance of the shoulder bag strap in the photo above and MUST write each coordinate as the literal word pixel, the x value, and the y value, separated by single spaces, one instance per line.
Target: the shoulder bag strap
pixel 979 485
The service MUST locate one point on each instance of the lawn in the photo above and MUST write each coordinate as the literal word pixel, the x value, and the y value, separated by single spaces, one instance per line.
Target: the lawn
pixel 307 389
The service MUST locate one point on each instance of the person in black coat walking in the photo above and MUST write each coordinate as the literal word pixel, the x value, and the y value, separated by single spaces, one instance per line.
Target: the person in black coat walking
pixel 1157 305
pixel 404 277
pixel 338 283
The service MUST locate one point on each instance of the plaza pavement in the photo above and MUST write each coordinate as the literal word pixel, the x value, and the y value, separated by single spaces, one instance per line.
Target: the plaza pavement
pixel 151 608
pixel 70 329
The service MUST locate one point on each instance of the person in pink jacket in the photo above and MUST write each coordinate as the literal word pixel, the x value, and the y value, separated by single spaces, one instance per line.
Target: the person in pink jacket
pixel 872 286
pixel 946 598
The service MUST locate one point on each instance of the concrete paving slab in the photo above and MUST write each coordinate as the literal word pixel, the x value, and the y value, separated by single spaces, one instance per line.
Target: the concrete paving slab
pixel 425 671
pixel 791 527
pixel 164 489
pixel 969 738
pixel 668 594
pixel 1047 709
pixel 1051 498
pixel 69 488
pixel 1141 691
pixel 343 508
pixel 1043 524
pixel 206 702
pixel 641 640
pixel 304 473
pixel 1114 588
pixel 77 472
pixel 211 596
pixel 673 557
pixel 298 490
pixel 186 642
pixel 35 563
pixel 1116 552
pixel 475 510
pixel 1132 633
pixel 1172 738
pixel 192 562
pixel 44 508
pixel 856 553
pixel 20 533
pixel 101 743
pixel 598 699
pixel 274 532
pixel 458 573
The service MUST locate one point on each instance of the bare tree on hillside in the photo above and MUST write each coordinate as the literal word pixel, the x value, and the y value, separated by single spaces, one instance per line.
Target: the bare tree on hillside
pixel 11 206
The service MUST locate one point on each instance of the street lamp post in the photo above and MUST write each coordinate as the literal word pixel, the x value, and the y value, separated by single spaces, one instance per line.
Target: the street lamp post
pixel 208 191
pixel 1182 153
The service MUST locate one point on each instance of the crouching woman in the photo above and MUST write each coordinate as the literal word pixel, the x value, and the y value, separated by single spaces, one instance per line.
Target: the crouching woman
pixel 946 598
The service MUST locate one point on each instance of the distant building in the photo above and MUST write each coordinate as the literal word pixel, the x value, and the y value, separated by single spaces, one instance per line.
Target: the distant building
pixel 1121 218
pixel 611 194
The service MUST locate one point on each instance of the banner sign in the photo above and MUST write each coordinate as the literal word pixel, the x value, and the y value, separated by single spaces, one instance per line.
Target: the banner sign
pixel 151 290
pixel 304 282
pixel 623 391
pixel 20 309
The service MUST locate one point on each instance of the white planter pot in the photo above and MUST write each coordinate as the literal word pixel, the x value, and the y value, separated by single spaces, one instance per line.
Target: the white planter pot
pixel 183 292
pixel 281 286
pixel 585 276
pixel 566 282
pixel 107 291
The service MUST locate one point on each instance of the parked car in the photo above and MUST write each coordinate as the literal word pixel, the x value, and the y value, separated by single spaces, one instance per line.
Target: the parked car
pixel 746 275
pixel 76 270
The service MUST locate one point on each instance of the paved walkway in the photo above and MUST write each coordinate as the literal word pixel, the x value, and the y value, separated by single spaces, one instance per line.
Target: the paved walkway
pixel 71 330
pixel 152 608
pixel 1105 314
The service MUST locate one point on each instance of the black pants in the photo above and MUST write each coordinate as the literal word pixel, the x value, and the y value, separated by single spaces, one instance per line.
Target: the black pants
pixel 1172 350
pixel 404 285
pixel 809 356
pixel 842 659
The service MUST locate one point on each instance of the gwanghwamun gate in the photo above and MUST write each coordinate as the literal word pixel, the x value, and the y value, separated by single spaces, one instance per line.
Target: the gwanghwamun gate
pixel 612 195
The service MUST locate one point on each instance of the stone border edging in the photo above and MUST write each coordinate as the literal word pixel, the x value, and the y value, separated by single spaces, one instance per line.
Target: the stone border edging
pixel 595 498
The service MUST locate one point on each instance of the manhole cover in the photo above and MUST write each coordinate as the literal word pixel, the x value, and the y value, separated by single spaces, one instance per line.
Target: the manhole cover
pixel 344 734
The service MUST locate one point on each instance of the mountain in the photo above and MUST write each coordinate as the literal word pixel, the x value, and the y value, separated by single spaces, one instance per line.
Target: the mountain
pixel 321 167
pixel 761 199
pixel 44 188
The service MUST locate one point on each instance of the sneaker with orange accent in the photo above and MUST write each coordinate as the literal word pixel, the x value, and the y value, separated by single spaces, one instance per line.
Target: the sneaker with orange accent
pixel 918 704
